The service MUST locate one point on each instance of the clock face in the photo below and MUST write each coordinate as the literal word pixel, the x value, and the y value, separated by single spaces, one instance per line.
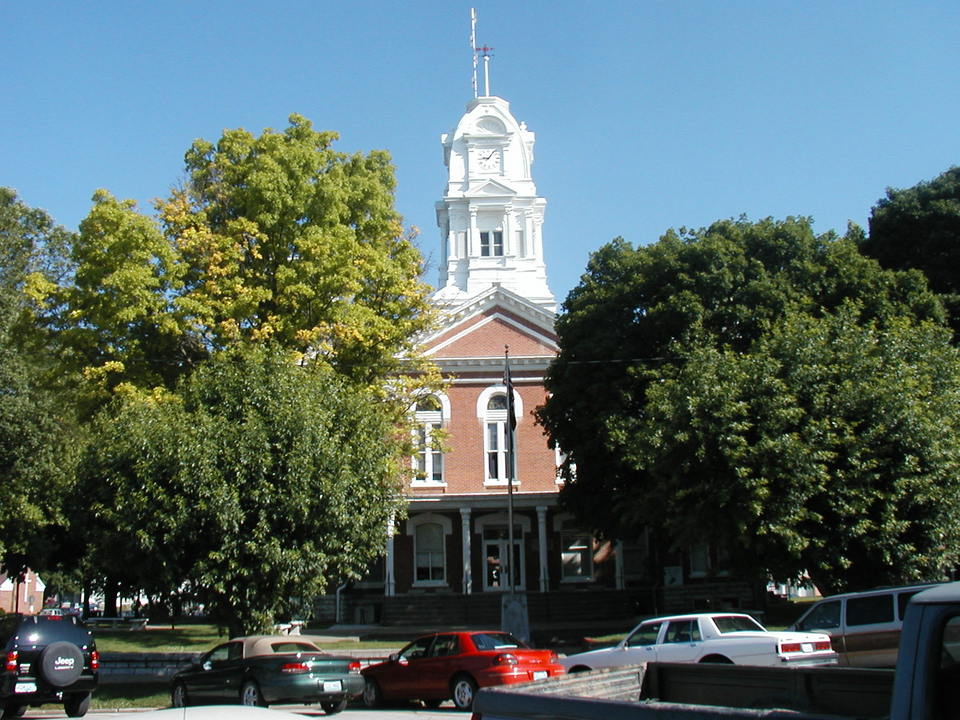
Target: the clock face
pixel 488 159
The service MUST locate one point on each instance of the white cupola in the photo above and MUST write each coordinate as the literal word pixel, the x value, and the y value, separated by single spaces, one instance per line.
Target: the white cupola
pixel 490 217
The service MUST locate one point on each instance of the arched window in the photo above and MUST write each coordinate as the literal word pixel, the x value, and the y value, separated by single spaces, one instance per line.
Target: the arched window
pixel 495 442
pixel 492 414
pixel 430 412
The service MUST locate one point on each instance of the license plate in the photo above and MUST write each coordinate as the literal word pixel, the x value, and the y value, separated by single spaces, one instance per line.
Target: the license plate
pixel 25 687
pixel 539 674
pixel 332 686
pixel 806 647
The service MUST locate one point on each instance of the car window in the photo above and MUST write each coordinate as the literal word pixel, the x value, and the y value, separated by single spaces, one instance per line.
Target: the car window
pixel 948 680
pixel 292 647
pixel 682 631
pixel 870 610
pixel 227 651
pixel 495 641
pixel 646 634
pixel 417 649
pixel 824 616
pixel 445 645
pixel 902 600
pixel 736 623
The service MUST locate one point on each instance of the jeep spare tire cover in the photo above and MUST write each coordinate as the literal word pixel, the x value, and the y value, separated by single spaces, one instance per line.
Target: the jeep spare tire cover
pixel 61 664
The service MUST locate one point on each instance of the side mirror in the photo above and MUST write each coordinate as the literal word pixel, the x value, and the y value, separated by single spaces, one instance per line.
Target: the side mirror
pixel 207 665
pixel 394 657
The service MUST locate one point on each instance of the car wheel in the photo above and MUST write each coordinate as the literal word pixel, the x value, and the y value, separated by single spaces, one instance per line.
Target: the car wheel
pixel 61 664
pixel 372 696
pixel 178 696
pixel 13 710
pixel 578 669
pixel 76 705
pixel 463 689
pixel 332 708
pixel 250 695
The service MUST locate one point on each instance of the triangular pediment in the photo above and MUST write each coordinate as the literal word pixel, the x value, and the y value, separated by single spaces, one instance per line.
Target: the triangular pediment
pixel 482 325
pixel 490 188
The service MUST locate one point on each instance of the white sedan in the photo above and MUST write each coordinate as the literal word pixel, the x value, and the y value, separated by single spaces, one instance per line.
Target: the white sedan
pixel 708 637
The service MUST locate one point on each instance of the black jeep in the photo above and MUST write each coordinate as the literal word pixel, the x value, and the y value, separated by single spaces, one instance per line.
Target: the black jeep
pixel 47 659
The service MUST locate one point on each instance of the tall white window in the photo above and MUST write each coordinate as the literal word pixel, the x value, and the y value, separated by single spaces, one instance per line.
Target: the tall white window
pixel 576 552
pixel 428 542
pixel 428 460
pixel 495 439
pixel 521 244
pixel 576 556
pixel 491 243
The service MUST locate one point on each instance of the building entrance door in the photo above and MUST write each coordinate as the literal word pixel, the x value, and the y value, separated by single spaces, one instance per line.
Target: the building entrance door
pixel 495 544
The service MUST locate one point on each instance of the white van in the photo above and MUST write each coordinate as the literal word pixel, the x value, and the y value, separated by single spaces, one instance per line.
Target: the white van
pixel 864 627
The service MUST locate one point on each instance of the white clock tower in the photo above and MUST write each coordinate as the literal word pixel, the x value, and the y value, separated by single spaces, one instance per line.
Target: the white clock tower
pixel 490 217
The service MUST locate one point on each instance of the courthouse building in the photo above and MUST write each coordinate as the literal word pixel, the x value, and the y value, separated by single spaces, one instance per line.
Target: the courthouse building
pixel 446 563
pixel 450 555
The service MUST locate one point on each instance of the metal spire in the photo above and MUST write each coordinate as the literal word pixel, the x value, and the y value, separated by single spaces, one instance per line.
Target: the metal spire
pixel 473 47
pixel 486 51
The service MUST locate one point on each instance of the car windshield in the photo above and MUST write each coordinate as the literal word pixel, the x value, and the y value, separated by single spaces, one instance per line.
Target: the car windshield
pixel 496 641
pixel 736 623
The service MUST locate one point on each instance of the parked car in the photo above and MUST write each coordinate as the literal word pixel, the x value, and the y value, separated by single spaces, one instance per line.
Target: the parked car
pixel 441 666
pixel 264 669
pixel 47 659
pixel 863 626
pixel 707 637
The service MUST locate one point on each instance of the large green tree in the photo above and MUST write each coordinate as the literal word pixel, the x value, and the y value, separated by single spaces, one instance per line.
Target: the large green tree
pixel 275 238
pixel 919 227
pixel 284 239
pixel 34 454
pixel 259 484
pixel 766 389
pixel 274 241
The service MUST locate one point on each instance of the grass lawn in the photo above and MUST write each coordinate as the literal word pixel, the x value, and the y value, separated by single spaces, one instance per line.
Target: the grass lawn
pixel 198 638
pixel 184 638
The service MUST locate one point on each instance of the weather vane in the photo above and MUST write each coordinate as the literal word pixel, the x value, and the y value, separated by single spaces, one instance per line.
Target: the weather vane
pixel 485 51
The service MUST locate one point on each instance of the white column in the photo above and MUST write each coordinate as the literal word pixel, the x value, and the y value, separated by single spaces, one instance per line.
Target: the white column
pixel 466 535
pixel 507 224
pixel 473 238
pixel 618 565
pixel 389 582
pixel 542 542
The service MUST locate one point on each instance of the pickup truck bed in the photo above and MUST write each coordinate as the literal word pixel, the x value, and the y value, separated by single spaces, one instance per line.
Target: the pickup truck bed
pixel 703 690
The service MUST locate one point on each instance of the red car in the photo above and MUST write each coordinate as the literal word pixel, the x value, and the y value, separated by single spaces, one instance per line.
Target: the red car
pixel 453 665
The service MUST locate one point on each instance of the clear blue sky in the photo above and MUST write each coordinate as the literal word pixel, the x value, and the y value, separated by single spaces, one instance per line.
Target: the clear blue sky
pixel 649 114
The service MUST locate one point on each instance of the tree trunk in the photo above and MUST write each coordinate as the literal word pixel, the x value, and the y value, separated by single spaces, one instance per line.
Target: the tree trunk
pixel 110 598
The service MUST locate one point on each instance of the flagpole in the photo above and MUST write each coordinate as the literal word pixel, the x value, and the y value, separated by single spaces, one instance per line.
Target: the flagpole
pixel 511 422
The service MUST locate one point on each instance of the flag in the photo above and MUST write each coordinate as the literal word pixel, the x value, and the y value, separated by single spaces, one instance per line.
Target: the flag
pixel 508 382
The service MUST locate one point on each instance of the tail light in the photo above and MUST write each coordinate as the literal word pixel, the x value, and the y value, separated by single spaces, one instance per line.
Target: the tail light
pixel 795 647
pixel 11 665
pixel 505 659
pixel 354 666
pixel 295 668
pixel 94 660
